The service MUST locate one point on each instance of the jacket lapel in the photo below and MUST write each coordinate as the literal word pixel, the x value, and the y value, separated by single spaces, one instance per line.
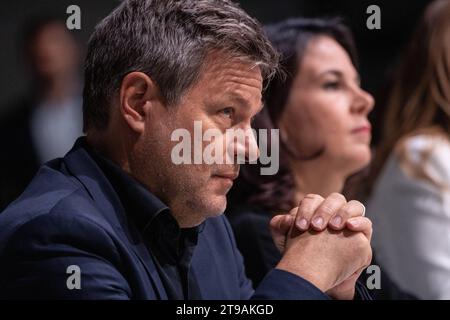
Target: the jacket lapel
pixel 80 164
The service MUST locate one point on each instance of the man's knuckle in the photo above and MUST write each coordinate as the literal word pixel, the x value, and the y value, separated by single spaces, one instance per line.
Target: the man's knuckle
pixel 307 210
pixel 326 210
pixel 313 197
pixel 358 206
pixel 355 202
pixel 346 212
pixel 338 197
pixel 293 211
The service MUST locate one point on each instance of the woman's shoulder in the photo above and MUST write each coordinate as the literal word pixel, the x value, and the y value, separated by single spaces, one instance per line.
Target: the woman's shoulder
pixel 418 161
pixel 416 145
pixel 430 151
pixel 417 172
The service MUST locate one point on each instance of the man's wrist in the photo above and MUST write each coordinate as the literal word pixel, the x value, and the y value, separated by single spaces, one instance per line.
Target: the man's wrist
pixel 315 278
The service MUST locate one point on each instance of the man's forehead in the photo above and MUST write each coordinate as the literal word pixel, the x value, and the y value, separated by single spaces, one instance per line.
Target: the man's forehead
pixel 224 73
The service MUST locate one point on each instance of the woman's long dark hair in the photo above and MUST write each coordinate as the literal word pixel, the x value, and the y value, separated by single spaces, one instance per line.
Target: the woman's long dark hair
pixel 291 37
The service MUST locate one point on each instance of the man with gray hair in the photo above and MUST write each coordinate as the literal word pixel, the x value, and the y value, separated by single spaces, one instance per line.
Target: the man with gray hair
pixel 117 219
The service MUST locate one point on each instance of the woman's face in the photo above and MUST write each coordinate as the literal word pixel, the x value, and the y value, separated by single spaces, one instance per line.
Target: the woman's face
pixel 327 110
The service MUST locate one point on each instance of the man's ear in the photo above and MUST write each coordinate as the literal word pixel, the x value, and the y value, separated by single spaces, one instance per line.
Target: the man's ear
pixel 137 92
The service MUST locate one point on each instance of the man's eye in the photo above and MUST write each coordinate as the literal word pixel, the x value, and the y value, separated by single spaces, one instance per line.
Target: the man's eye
pixel 227 112
pixel 331 85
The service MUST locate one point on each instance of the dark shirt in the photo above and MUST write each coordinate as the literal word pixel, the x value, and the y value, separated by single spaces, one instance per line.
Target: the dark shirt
pixel 171 247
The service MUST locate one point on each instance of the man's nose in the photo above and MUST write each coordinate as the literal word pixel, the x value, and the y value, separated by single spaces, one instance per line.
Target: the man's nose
pixel 252 150
pixel 247 148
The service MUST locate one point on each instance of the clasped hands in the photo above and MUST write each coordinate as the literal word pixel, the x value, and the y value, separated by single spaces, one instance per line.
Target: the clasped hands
pixel 325 241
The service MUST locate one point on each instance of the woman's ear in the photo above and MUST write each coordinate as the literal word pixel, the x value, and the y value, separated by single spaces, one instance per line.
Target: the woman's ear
pixel 137 93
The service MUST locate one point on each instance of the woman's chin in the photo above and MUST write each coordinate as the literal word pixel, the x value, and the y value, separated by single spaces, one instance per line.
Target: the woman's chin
pixel 361 159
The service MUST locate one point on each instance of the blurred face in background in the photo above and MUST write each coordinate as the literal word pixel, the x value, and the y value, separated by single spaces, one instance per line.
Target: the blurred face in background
pixel 326 112
pixel 53 52
pixel 198 190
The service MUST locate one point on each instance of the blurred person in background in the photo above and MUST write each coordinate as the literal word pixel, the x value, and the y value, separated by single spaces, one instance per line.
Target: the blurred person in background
pixel 321 112
pixel 44 124
pixel 410 182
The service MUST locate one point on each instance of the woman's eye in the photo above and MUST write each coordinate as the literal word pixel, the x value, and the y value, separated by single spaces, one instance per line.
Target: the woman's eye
pixel 227 112
pixel 331 85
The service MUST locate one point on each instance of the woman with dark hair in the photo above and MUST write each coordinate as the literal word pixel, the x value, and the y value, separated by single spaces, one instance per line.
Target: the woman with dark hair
pixel 320 110
pixel 412 232
pixel 321 113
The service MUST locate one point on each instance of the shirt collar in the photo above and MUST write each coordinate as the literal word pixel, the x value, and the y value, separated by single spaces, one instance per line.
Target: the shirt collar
pixel 138 202
pixel 148 212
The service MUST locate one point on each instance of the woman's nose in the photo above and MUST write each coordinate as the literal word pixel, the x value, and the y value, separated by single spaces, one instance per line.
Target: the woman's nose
pixel 363 102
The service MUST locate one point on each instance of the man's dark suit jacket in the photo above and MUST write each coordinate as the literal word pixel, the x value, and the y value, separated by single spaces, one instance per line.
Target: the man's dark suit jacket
pixel 70 214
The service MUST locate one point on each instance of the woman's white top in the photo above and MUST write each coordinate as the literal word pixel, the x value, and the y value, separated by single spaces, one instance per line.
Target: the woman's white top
pixel 411 220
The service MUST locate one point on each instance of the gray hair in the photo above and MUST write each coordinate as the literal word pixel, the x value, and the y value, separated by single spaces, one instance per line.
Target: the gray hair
pixel 168 40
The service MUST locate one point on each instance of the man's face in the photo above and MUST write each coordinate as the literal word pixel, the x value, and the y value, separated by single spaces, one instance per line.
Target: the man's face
pixel 227 96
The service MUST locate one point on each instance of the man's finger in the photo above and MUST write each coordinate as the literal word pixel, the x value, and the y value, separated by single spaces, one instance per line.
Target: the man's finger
pixel 306 209
pixel 280 226
pixel 326 210
pixel 350 210
pixel 360 224
pixel 281 223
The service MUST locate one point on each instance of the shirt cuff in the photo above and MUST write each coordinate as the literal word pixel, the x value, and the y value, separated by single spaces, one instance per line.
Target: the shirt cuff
pixel 283 285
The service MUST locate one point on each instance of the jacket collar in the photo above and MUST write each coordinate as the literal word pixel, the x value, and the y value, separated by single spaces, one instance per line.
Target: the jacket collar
pixel 81 164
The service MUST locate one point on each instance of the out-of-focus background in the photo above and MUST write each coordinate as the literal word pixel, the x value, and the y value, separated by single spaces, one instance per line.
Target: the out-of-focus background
pixel 378 49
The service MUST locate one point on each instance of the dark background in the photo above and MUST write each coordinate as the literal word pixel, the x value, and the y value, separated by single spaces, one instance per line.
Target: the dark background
pixel 379 49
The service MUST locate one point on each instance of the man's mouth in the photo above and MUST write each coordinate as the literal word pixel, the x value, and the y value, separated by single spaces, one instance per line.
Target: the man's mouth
pixel 230 175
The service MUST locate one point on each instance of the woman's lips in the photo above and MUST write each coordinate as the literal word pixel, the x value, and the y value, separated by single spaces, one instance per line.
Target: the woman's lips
pixel 363 129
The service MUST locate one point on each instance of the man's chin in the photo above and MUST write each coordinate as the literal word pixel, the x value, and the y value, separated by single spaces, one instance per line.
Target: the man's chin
pixel 217 205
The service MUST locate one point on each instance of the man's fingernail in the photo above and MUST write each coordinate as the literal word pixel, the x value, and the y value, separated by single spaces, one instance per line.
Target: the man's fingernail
pixel 354 222
pixel 337 221
pixel 318 222
pixel 302 224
